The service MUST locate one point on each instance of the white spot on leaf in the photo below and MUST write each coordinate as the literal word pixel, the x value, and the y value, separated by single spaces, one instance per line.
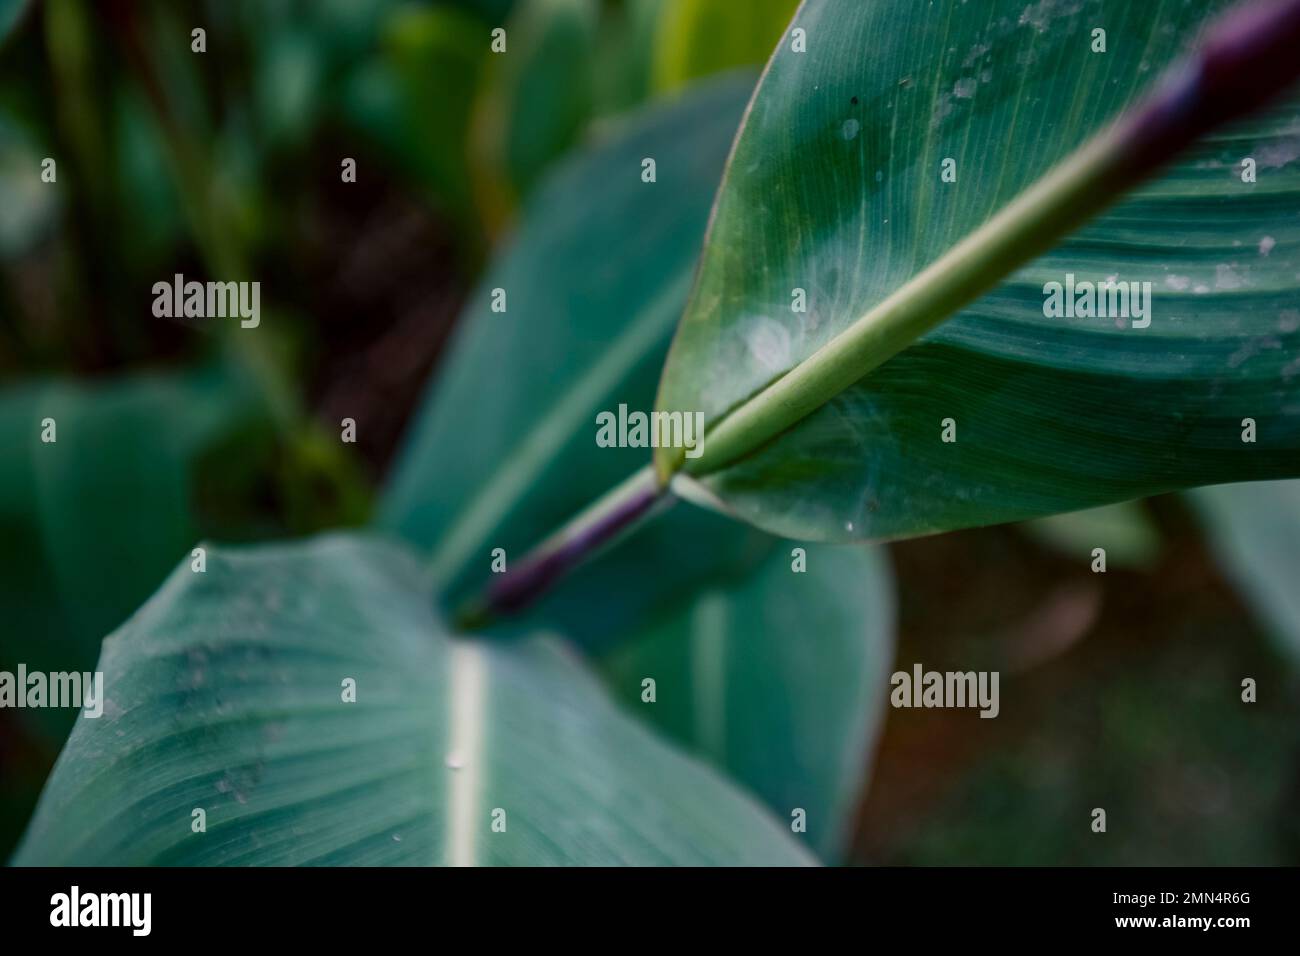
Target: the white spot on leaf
pixel 769 344
pixel 1225 277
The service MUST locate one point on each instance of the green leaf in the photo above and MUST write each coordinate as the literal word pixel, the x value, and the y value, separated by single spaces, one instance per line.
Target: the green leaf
pixel 696 38
pixel 537 99
pixel 287 84
pixel 30 206
pixel 624 48
pixel 834 188
pixel 515 409
pixel 779 678
pixel 492 11
pixel 11 12
pixel 224 693
pixel 1124 530
pixel 1254 531
pixel 647 573
pixel 587 322
pixel 415 99
pixel 144 187
pixel 94 520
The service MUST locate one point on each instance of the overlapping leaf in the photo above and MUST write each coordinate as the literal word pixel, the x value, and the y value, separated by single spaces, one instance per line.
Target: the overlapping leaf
pixel 835 188
pixel 225 694
pixel 93 520
pixel 593 284
pixel 589 315
pixel 779 678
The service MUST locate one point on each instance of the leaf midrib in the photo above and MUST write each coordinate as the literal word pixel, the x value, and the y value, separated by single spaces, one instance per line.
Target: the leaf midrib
pixel 537 450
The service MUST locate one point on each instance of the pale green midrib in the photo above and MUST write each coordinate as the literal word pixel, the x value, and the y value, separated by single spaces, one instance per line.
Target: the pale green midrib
pixel 1065 197
pixel 467 671
pixel 531 456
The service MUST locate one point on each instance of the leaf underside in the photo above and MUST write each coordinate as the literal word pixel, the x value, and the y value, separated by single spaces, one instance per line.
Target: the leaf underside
pixel 834 187
pixel 224 694
pixel 779 678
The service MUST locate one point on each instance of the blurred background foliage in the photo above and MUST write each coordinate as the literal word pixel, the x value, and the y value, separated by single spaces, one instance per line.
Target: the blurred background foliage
pixel 227 164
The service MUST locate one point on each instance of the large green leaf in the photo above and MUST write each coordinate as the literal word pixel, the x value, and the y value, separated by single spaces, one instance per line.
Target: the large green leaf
pixel 594 281
pixel 588 320
pixel 835 188
pixel 779 678
pixel 695 38
pixel 93 521
pixel 224 693
pixel 1254 531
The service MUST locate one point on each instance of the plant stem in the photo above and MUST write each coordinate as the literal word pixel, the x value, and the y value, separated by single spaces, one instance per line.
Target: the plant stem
pixel 621 509
pixel 1246 58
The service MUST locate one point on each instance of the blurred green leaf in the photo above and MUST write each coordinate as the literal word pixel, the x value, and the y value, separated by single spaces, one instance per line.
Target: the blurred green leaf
pixel 288 82
pixel 225 692
pixel 696 38
pixel 835 189
pixel 515 409
pixel 28 207
pixel 415 100
pixel 779 678
pixel 584 329
pixel 1124 530
pixel 94 520
pixel 536 100
pixel 623 55
pixel 11 11
pixel 341 30
pixel 145 190
pixel 1254 532
pixel 177 69
pixel 491 11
